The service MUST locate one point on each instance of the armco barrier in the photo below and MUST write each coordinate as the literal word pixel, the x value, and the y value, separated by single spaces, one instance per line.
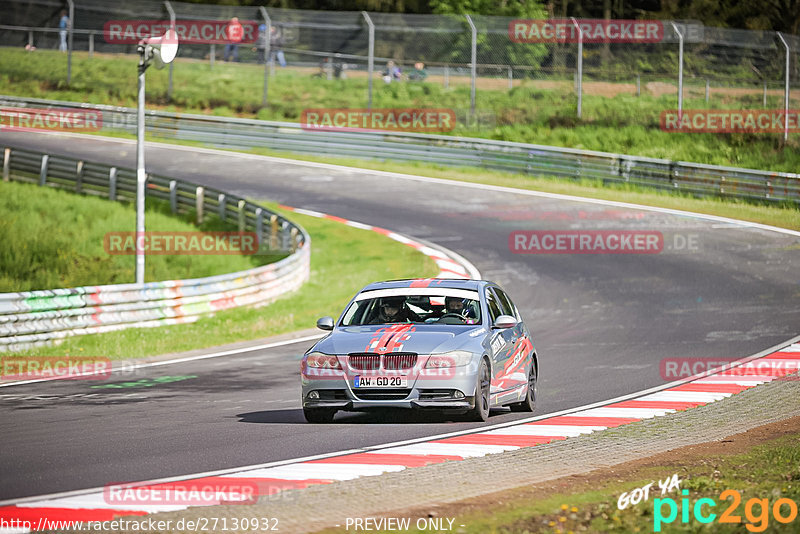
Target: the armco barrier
pixel 539 160
pixel 32 318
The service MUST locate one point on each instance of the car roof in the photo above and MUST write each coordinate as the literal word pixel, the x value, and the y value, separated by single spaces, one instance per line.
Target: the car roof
pixel 449 283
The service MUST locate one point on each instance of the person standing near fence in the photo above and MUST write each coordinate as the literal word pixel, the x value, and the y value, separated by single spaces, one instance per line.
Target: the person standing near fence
pixel 234 33
pixel 63 26
pixel 276 45
pixel 261 44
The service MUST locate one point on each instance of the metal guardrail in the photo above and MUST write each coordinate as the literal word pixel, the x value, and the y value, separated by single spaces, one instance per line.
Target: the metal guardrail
pixel 32 318
pixel 536 160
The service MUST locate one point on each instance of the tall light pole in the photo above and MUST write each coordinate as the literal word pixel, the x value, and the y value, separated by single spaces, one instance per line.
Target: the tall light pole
pixel 161 50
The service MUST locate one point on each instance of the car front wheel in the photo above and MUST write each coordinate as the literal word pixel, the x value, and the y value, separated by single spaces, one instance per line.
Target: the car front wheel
pixel 318 415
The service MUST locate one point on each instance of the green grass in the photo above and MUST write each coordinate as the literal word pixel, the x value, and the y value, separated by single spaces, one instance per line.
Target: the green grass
pixel 767 471
pixel 622 124
pixel 343 260
pixel 51 238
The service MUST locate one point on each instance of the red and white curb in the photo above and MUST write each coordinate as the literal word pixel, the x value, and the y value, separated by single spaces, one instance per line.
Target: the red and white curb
pixel 269 479
pixel 451 265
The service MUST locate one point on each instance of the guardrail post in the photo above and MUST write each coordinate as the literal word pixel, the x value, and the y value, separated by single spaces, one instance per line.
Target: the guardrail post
pixel 79 177
pixel 91 45
pixel 112 183
pixel 221 200
pixel 259 225
pixel 173 196
pixel 579 74
pixel 30 39
pixel 293 237
pixel 370 58
pixel 267 44
pixel 285 236
pixel 199 197
pixel 43 170
pixel 473 71
pixel 638 85
pixel 242 219
pixel 70 27
pixel 6 164
pixel 786 92
pixel 273 232
pixel 680 71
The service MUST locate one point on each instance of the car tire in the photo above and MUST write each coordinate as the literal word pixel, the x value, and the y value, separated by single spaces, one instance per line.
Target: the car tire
pixel 480 412
pixel 529 404
pixel 319 415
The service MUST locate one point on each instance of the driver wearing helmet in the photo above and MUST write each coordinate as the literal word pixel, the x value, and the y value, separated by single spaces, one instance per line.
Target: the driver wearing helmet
pixel 455 306
pixel 394 310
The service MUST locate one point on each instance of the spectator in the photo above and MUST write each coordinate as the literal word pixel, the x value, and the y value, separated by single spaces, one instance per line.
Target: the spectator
pixel 391 72
pixel 418 74
pixel 261 44
pixel 276 45
pixel 234 33
pixel 63 26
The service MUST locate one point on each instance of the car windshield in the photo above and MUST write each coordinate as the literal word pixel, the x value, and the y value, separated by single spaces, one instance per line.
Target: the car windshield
pixel 390 306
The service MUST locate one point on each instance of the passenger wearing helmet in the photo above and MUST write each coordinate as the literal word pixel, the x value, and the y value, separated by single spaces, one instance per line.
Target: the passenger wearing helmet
pixel 394 310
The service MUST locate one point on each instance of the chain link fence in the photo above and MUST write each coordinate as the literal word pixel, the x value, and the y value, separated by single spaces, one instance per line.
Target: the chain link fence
pixel 750 65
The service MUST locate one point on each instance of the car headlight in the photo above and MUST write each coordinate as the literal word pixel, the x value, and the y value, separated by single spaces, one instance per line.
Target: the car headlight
pixel 456 358
pixel 322 361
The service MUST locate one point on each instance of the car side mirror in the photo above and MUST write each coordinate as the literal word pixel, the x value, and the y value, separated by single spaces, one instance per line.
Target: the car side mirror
pixel 325 323
pixel 505 321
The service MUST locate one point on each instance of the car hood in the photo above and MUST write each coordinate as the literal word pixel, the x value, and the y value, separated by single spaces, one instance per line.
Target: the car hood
pixel 422 339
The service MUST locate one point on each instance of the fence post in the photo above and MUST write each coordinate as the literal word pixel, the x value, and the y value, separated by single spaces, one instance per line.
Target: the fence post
pixel 212 53
pixel 707 90
pixel 370 59
pixel 259 225
pixel 680 71
pixel 765 93
pixel 638 85
pixel 473 70
pixel 112 183
pixel 293 242
pixel 786 92
pixel 43 170
pixel 510 77
pixel 580 67
pixel 221 206
pixel 70 26
pixel 242 219
pixel 79 177
pixel 91 44
pixel 267 44
pixel 273 232
pixel 173 196
pixel 171 63
pixel 7 165
pixel 30 38
pixel 199 198
pixel 446 76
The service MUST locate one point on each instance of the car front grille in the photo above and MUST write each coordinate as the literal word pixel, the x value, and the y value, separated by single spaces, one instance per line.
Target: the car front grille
pixel 396 361
pixel 399 361
pixel 381 393
pixel 364 362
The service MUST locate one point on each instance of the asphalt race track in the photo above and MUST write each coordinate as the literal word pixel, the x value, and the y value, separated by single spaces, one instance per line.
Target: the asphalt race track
pixel 602 323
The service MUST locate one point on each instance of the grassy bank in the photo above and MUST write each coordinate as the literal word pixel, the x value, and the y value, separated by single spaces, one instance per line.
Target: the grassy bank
pixel 343 260
pixel 530 112
pixel 51 238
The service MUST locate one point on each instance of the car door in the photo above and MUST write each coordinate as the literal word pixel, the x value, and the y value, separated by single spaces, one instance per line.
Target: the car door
pixel 521 345
pixel 500 342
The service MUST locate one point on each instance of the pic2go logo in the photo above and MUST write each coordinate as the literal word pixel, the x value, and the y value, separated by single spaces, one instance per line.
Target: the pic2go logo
pixel 756 511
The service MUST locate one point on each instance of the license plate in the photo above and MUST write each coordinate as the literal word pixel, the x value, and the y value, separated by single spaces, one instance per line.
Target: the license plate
pixel 380 381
